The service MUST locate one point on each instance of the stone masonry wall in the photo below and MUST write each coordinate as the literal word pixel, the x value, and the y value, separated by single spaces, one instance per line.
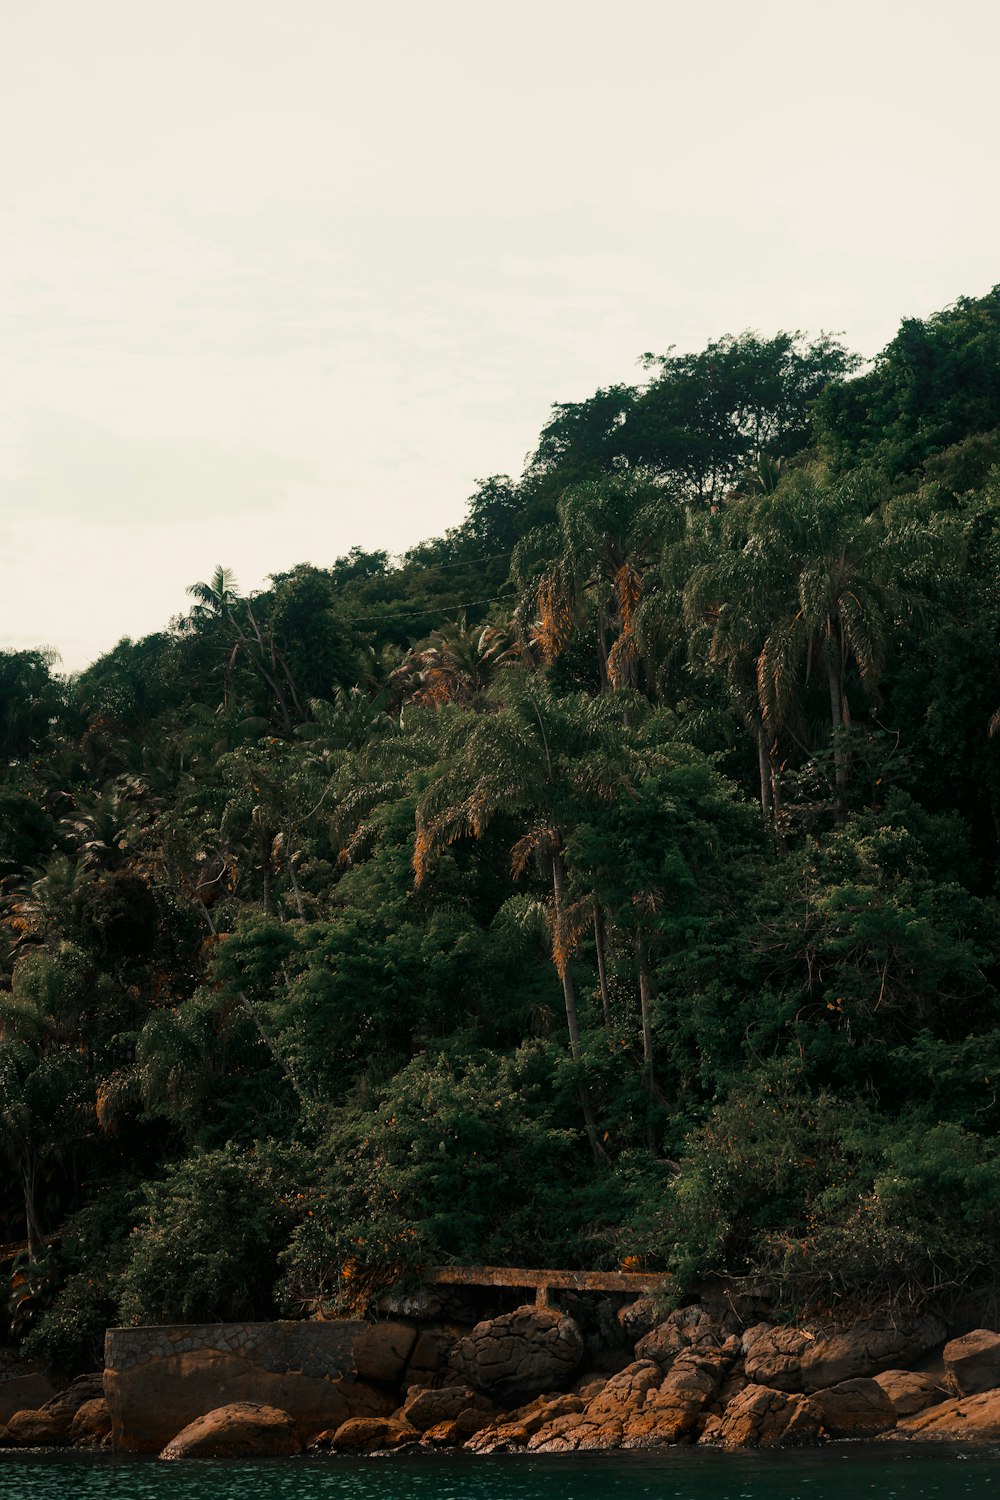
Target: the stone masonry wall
pixel 156 1380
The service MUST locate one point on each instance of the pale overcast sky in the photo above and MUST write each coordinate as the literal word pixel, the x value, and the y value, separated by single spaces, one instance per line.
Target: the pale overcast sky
pixel 283 276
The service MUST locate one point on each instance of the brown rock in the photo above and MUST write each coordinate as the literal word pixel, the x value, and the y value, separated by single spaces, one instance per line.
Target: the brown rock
pixel 499 1438
pixel 760 1417
pixel 373 1435
pixel 425 1407
pixel 84 1388
pixel 625 1392
pixel 911 1392
pixel 36 1429
pixel 589 1386
pixel 520 1354
pixel 381 1351
pixel 444 1435
pixel 974 1419
pixel 855 1409
pixel 431 1353
pixel 638 1318
pixel 91 1423
pixel 972 1362
pixel 685 1327
pixel 671 1412
pixel 811 1359
pixel 24 1391
pixel 239 1430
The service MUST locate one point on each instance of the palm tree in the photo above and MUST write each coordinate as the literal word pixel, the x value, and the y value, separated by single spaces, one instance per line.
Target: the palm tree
pixel 607 533
pixel 525 758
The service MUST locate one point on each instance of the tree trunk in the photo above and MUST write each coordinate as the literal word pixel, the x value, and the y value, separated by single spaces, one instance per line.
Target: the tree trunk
pixel 602 652
pixel 647 993
pixel 33 1228
pixel 572 1015
pixel 764 769
pixel 835 682
pixel 602 971
pixel 265 871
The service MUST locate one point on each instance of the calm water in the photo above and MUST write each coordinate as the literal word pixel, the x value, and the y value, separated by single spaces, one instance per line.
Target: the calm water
pixel 850 1472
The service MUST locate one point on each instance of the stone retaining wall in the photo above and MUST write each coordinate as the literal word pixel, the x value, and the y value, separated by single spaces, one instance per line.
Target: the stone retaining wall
pixel 157 1380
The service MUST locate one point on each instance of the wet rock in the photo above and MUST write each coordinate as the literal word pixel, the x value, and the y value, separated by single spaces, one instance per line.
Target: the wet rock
pixel 972 1362
pixel 372 1435
pixel 520 1354
pixel 239 1430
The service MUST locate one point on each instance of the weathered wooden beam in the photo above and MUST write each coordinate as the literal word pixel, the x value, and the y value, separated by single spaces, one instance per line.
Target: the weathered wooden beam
pixel 546 1280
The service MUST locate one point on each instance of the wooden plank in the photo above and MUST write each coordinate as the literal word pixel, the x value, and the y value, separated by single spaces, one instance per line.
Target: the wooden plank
pixel 519 1276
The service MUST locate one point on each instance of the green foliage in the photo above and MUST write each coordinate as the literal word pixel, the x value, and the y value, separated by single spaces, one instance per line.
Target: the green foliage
pixel 205 1245
pixel 611 878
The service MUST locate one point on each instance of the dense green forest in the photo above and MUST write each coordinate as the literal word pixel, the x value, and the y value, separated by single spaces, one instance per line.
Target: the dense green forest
pixel 612 881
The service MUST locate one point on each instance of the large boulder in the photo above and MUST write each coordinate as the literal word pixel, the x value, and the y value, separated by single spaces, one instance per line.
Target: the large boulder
pixel 974 1419
pixel 427 1407
pixel 811 1359
pixel 83 1389
pixel 685 1328
pixel 910 1391
pixel 239 1430
pixel 972 1362
pixel 381 1351
pixel 91 1423
pixel 36 1429
pixel 520 1354
pixel 515 1429
pixel 370 1435
pixel 760 1417
pixel 855 1409
pixel 671 1412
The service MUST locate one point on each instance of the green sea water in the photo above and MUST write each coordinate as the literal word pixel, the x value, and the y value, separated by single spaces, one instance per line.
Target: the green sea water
pixel 848 1472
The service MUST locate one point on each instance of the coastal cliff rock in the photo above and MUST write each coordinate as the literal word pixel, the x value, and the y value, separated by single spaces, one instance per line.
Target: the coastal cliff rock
pixel 369 1435
pixel 426 1407
pixel 911 1392
pixel 974 1419
pixel 855 1409
pixel 670 1412
pixel 521 1354
pixel 972 1362
pixel 239 1430
pixel 36 1429
pixel 804 1359
pixel 760 1417
pixel 91 1423
pixel 685 1328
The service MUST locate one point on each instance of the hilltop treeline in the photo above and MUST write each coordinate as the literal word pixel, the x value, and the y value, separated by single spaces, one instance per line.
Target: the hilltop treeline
pixel 611 881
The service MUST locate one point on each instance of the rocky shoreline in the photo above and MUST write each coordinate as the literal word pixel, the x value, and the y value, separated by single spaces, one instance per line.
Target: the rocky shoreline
pixel 526 1381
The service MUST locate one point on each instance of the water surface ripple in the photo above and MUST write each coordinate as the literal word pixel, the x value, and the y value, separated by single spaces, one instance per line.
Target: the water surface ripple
pixel 849 1472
